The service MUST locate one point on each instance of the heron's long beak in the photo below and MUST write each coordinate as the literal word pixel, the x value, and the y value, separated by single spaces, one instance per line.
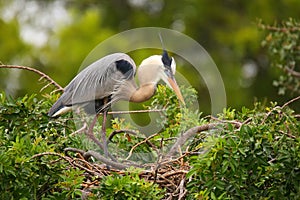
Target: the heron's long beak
pixel 175 87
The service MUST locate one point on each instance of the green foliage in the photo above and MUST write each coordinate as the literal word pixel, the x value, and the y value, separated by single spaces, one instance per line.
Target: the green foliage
pixel 128 186
pixel 124 142
pixel 259 160
pixel 173 120
pixel 283 44
pixel 26 130
pixel 176 118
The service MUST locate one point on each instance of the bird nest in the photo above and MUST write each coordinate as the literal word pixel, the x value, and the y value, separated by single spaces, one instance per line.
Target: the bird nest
pixel 168 174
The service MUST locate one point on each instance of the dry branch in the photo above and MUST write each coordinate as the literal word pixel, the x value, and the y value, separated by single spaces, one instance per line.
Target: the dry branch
pixel 290 101
pixel 115 132
pixel 102 159
pixel 136 145
pixel 188 134
pixel 41 74
pixel 292 72
pixel 134 111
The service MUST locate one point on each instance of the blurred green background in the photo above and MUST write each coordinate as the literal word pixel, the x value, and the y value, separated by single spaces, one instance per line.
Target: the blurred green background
pixel 56 36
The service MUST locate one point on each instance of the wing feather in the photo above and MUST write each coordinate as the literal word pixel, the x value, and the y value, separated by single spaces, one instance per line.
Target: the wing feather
pixel 97 81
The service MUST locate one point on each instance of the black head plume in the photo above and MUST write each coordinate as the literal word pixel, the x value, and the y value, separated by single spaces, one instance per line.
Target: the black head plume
pixel 166 59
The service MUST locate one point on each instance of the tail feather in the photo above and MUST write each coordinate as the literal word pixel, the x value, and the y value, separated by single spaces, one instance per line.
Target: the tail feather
pixel 91 107
pixel 58 108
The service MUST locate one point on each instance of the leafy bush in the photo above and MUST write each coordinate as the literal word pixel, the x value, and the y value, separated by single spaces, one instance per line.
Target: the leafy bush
pixel 25 130
pixel 258 160
pixel 128 186
pixel 283 44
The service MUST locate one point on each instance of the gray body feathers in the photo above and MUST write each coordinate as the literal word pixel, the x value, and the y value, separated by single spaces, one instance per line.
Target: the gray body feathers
pixel 100 80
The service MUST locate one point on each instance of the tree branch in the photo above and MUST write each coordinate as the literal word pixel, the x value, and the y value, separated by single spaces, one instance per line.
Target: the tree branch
pixel 134 111
pixel 105 160
pixel 115 132
pixel 292 72
pixel 290 101
pixel 136 145
pixel 189 133
pixel 43 75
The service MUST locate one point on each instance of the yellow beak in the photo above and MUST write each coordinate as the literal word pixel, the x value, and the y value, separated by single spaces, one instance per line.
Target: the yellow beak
pixel 175 87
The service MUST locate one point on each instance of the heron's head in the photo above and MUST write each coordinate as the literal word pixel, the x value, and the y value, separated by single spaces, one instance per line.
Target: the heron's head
pixel 159 67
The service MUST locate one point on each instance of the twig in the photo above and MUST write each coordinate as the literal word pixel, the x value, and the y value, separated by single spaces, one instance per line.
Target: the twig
pixel 75 150
pixel 134 111
pixel 47 85
pixel 84 168
pixel 287 134
pixel 280 107
pixel 136 145
pixel 293 72
pixel 176 159
pixel 165 179
pixel 68 159
pixel 174 173
pixel 121 131
pixel 43 75
pixel 51 154
pixel 237 124
pixel 182 190
pixel 280 29
pixel 105 160
pixel 290 101
pixel 270 112
pixel 82 129
pixel 189 133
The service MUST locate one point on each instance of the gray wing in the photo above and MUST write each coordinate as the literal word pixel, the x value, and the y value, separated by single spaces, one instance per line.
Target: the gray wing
pixel 97 81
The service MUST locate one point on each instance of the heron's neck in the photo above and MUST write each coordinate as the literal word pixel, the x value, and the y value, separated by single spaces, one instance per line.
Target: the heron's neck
pixel 143 93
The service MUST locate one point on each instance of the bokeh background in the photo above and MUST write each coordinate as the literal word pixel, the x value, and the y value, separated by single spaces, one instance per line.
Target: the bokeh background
pixel 55 36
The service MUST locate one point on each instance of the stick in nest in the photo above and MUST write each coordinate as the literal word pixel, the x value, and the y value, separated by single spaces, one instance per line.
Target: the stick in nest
pixel 188 134
pixel 138 144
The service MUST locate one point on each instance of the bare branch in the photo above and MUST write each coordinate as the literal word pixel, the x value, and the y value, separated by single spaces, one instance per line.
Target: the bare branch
pixel 52 154
pixel 43 75
pixel 115 132
pixel 70 149
pixel 236 123
pixel 290 101
pixel 134 111
pixel 136 145
pixel 280 29
pixel 82 129
pixel 87 169
pixel 172 173
pixel 292 72
pixel 105 160
pixel 188 134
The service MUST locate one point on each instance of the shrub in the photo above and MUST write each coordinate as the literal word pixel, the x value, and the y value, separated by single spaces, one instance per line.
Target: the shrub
pixel 258 160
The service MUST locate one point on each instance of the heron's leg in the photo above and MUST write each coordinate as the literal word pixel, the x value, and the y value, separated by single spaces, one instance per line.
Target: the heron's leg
pixel 90 132
pixel 92 136
pixel 105 148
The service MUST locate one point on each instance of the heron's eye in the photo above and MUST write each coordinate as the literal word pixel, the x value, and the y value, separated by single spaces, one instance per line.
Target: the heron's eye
pixel 168 71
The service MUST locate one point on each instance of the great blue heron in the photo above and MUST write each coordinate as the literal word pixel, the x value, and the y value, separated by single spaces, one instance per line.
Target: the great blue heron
pixel 111 79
